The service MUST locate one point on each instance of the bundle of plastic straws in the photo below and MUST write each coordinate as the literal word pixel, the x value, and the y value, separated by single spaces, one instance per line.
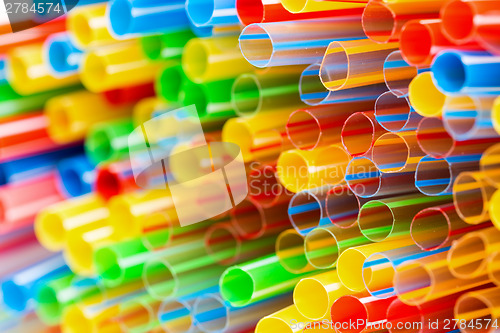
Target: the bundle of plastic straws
pixel 227 166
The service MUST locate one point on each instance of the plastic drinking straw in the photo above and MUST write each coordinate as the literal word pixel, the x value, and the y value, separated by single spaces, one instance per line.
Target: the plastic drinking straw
pixel 246 133
pixel 11 103
pixel 258 11
pixel 29 74
pixel 147 108
pixel 280 321
pixel 138 315
pixel 495 115
pixel 106 142
pixel 423 280
pixel 20 244
pixel 140 213
pixel 307 209
pixel 438 143
pixel 176 316
pixel 422 40
pixel 256 280
pixel 69 120
pixel 320 126
pixel 398 74
pixel 290 252
pixel 379 268
pixel 478 306
pixel 129 95
pixel 436 227
pixel 325 244
pixel 342 206
pixel 425 97
pixel 175 276
pixel 390 218
pixel 212 100
pixel 54 296
pixel 383 22
pixel 493 210
pixel 300 170
pixel 33 166
pixel 117 66
pixel 435 176
pixel 418 318
pixel 87 26
pixel 306 6
pixel 476 22
pixel 264 187
pixel 20 288
pixel 32 35
pixel 396 114
pixel 313 92
pixel 61 55
pixel 468 256
pixel 166 46
pixel 124 261
pixel 366 181
pixel 100 316
pixel 359 133
pixel 365 63
pixel 213 59
pixel 267 145
pixel 471 195
pixel 252 221
pixel 351 261
pixel 461 72
pixel 267 90
pixel 212 314
pixel 77 175
pixel 80 248
pixel 22 201
pixel 489 166
pixel 494 268
pixel 397 152
pixel 141 17
pixel 212 12
pixel 368 311
pixel 270 44
pixel 226 247
pixel 314 295
pixel 169 82
pixel 77 215
pixel 434 140
pixel 115 178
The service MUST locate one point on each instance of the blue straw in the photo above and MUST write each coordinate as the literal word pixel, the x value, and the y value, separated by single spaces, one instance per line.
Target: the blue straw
pixel 64 58
pixel 146 17
pixel 29 167
pixel 458 72
pixel 77 175
pixel 212 12
pixel 20 288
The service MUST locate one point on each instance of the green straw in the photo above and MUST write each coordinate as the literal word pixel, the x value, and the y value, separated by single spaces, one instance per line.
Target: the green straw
pixel 11 103
pixel 166 46
pixel 138 315
pixel 257 280
pixel 181 270
pixel 169 83
pixel 52 298
pixel 121 262
pixel 124 261
pixel 107 142
pixel 391 218
pixel 212 99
